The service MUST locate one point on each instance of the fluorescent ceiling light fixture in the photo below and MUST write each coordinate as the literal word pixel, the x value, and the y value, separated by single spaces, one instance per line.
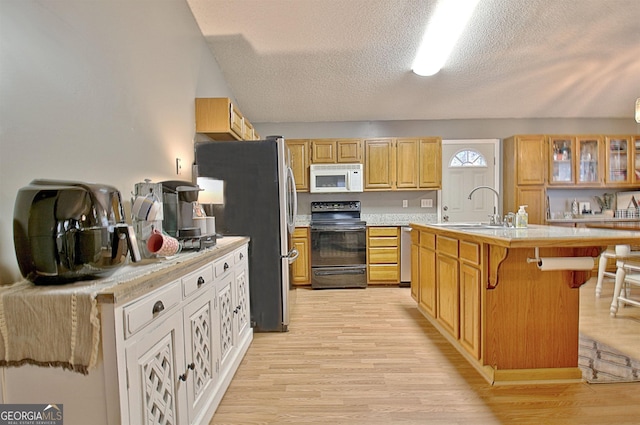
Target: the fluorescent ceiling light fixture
pixel 442 33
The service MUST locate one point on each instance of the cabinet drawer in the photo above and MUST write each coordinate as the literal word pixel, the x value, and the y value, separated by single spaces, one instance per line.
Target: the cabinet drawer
pixel 197 279
pixel 427 240
pixel 389 241
pixel 240 255
pixel 383 255
pixel 470 252
pixel 223 265
pixel 300 232
pixel 384 273
pixel 447 246
pixel 153 305
pixel 383 231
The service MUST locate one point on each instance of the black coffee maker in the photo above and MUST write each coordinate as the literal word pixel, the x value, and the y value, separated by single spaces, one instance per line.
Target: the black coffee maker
pixel 64 231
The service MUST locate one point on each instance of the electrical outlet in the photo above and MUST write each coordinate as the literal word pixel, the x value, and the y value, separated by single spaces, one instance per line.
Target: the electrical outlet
pixel 178 166
pixel 426 203
pixel 405 203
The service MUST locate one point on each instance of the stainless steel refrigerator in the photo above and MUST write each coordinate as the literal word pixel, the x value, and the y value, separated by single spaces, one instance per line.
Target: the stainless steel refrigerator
pixel 259 202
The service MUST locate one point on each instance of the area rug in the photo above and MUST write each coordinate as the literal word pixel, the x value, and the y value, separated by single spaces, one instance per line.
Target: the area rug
pixel 601 363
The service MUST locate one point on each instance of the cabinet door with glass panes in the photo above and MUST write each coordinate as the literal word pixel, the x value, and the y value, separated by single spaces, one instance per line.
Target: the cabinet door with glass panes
pixel 561 158
pixel 636 160
pixel 589 165
pixel 618 157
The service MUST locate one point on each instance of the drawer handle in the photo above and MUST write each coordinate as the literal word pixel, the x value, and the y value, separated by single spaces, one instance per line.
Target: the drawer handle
pixel 157 307
pixel 241 255
pixel 226 267
pixel 200 281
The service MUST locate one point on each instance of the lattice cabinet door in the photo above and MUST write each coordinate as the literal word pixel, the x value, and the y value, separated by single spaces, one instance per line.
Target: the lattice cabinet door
pixel 226 308
pixel 154 365
pixel 242 309
pixel 200 333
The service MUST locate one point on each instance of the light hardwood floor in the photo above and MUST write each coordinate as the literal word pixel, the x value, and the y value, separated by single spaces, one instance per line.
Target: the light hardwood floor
pixel 369 357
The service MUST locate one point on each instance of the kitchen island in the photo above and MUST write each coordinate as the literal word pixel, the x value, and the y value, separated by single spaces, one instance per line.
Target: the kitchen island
pixel 485 290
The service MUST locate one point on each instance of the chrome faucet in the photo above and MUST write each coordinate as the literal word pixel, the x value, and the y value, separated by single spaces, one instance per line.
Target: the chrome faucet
pixel 495 219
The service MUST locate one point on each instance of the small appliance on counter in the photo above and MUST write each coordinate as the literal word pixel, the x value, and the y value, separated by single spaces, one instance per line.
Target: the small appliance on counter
pixel 64 231
pixel 146 213
pixel 181 211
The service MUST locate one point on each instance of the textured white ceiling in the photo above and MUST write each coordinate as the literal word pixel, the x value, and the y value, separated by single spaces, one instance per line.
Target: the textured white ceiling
pixel 350 60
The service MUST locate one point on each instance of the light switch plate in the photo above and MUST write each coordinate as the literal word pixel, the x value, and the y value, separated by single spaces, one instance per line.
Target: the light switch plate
pixel 405 203
pixel 426 203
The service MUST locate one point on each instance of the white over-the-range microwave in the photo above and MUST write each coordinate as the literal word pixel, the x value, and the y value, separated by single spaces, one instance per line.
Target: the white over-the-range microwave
pixel 336 178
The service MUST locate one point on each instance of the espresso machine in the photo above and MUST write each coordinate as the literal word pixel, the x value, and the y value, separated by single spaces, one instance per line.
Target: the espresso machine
pixel 182 213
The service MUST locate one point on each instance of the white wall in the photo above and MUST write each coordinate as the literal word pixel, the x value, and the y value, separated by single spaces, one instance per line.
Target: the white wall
pixel 98 91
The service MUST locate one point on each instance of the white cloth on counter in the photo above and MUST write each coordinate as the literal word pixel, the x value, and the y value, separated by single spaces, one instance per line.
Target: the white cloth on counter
pixel 54 325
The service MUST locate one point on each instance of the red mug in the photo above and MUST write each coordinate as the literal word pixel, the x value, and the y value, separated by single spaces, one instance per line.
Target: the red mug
pixel 162 245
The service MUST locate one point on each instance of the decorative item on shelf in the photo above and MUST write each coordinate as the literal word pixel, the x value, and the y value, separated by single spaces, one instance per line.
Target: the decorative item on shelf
pixel 606 202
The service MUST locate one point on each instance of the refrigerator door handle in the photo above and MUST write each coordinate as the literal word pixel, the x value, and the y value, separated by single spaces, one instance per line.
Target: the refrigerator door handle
pixel 292 201
pixel 292 255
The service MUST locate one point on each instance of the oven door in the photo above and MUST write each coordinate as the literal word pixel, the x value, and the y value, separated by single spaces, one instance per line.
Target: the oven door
pixel 339 245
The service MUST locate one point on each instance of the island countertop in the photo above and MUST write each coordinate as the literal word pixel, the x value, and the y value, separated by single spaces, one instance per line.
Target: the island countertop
pixel 536 235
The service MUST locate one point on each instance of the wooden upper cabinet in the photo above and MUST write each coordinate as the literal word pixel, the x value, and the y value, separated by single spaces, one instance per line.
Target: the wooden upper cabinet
pixel 323 151
pixel 349 151
pixel 300 163
pixel 562 153
pixel 419 163
pixel 636 159
pixel 430 166
pixel 575 160
pixel 379 169
pixel 331 151
pixel 618 160
pixel 220 119
pixel 530 159
pixel 403 163
pixel 589 160
pixel 408 167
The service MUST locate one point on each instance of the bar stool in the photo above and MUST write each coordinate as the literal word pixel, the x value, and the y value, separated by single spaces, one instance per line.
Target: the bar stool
pixel 628 275
pixel 620 253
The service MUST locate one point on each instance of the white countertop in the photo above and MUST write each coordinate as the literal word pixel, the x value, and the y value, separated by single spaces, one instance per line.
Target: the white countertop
pixel 537 235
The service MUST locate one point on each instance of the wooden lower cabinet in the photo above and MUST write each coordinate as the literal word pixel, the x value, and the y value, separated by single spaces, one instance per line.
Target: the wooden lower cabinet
pixel 383 255
pixel 448 285
pixel 301 267
pixel 470 281
pixel 448 294
pixel 415 261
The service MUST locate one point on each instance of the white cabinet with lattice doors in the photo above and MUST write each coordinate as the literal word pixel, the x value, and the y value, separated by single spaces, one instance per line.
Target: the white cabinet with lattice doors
pixel 180 362
pixel 233 300
pixel 172 368
pixel 162 331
